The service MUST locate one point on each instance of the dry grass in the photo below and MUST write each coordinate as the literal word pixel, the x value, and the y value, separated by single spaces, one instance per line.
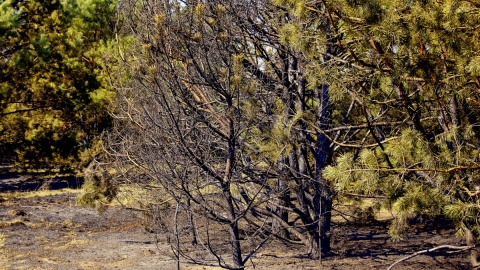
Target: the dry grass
pixel 135 196
pixel 14 222
pixel 3 253
pixel 37 193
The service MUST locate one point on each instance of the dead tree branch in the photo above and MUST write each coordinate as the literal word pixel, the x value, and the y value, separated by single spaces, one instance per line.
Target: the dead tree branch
pixel 425 251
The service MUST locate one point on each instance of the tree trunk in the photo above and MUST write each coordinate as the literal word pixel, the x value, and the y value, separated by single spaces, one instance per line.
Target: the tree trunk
pixel 235 242
pixel 472 241
pixel 323 191
pixel 234 231
pixel 325 219
pixel 191 224
pixel 282 201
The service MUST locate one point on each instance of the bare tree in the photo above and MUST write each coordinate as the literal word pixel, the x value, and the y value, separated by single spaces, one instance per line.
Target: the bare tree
pixel 217 112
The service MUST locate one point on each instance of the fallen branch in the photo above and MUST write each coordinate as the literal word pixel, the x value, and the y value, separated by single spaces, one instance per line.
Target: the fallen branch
pixel 458 248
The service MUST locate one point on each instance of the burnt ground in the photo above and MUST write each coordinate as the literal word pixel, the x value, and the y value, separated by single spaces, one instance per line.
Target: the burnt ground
pixel 52 232
pixel 16 182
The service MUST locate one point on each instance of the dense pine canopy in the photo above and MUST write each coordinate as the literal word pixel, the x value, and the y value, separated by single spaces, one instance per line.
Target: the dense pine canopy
pixel 53 86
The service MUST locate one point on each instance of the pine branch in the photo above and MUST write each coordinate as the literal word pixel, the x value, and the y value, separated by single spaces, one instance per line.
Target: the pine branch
pixel 449 170
pixel 362 126
pixel 351 145
pixel 23 110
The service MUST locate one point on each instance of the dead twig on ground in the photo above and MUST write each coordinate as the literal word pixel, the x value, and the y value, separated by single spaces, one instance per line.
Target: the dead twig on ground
pixel 458 248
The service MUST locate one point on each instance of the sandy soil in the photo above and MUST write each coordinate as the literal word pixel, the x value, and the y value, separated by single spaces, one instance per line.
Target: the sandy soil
pixel 52 232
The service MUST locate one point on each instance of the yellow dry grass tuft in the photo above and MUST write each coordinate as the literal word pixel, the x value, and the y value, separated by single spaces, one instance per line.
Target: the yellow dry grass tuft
pixel 37 193
pixel 139 197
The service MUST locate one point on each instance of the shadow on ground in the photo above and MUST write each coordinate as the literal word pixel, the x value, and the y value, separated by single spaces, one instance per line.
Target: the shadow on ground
pixel 36 181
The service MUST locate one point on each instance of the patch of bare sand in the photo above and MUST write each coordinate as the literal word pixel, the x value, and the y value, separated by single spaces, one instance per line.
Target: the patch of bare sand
pixel 52 232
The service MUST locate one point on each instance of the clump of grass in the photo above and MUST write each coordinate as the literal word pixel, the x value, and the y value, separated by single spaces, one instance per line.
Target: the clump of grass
pixel 135 196
pixel 99 189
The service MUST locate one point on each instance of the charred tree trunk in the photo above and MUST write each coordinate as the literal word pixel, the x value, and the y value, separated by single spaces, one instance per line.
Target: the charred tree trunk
pixel 191 224
pixel 323 191
pixel 229 166
pixel 233 229
pixel 282 201
pixel 235 241
pixel 325 217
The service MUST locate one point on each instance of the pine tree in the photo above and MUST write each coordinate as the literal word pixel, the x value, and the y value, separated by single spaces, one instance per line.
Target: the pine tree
pixel 404 76
pixel 53 87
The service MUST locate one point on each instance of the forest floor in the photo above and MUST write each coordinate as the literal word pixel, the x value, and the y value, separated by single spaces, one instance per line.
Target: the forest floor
pixel 46 229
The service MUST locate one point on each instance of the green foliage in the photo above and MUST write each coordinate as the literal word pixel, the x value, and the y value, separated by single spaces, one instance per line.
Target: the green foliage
pixel 466 214
pixel 54 88
pixel 409 193
pixel 417 200
pixel 412 63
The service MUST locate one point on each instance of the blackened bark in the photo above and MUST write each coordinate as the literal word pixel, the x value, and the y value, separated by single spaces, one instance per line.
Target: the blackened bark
pixel 323 195
pixel 233 230
pixel 191 224
pixel 282 201
pixel 235 242
pixel 325 218
pixel 229 165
